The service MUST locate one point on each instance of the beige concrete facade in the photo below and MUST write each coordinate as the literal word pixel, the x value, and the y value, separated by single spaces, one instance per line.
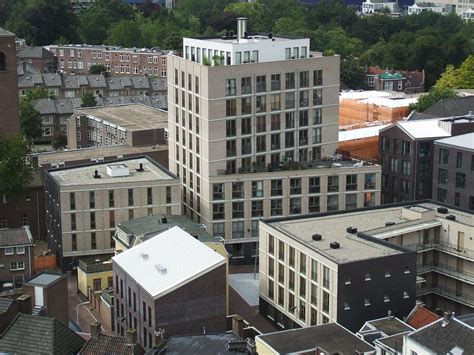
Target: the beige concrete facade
pixel 230 128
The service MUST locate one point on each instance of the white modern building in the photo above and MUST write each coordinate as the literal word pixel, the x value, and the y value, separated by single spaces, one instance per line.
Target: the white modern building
pixel 253 133
pixel 373 6
pixel 426 6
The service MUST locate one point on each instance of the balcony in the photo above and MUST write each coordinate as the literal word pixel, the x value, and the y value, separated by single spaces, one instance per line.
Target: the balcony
pixel 447 270
pixel 444 247
pixel 447 293
pixel 96 264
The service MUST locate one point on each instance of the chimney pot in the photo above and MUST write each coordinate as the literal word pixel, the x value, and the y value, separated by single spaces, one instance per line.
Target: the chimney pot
pixel 241 27
pixel 238 325
pixel 95 329
pixel 131 336
pixel 447 317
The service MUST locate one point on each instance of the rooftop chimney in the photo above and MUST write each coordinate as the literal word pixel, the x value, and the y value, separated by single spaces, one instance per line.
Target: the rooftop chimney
pixel 131 336
pixel 159 337
pixel 164 219
pixel 241 27
pixel 96 174
pixel 95 329
pixel 238 325
pixel 447 318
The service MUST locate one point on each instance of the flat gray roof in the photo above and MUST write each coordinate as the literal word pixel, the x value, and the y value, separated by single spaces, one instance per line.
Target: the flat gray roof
pixel 463 141
pixel 45 279
pixel 84 175
pixel 132 117
pixel 370 221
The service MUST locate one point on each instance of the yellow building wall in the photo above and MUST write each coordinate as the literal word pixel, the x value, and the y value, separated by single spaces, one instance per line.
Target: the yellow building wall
pixel 86 281
pixel 263 348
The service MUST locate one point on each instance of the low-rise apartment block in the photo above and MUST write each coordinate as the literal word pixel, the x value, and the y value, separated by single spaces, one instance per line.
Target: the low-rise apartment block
pixel 407 155
pixel 406 81
pixel 131 125
pixel 78 58
pixel 38 58
pixel 171 284
pixel 453 171
pixel 16 256
pixel 377 6
pixel 320 269
pixel 84 204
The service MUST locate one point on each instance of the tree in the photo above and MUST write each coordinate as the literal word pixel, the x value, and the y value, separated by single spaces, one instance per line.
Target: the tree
pixel 97 69
pixel 88 99
pixel 42 22
pixel 126 33
pixel 434 95
pixel 30 119
pixel 60 142
pixel 352 73
pixel 462 78
pixel 16 167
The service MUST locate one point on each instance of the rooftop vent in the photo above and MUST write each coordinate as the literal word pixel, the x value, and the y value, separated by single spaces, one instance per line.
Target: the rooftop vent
pixel 164 219
pixel 451 217
pixel 242 27
pixel 334 245
pixel 96 174
pixel 195 236
pixel 118 170
pixel 144 256
pixel 351 230
pixel 161 269
pixel 140 168
pixel 442 210
pixel 390 223
pixel 317 237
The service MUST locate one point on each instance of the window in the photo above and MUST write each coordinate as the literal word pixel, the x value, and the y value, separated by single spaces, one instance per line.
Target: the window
pixel 261 144
pixel 302 287
pixel 130 197
pixel 275 104
pixel 458 160
pixel 261 83
pixel 218 191
pixel 93 241
pixel 303 115
pixel 295 205
pixel 302 313
pixel 326 299
pixel 366 302
pixel 276 207
pixel 168 194
pixel 92 220
pixel 317 77
pixel 314 185
pixel 351 201
pixel 271 287
pixel 332 202
pixel 218 211
pixel 317 97
pixel 442 176
pixel 237 210
pixel 3 62
pixel 443 156
pixel 291 254
pixel 238 229
pixel 313 204
pixel 17 265
pixel 333 183
pixel 276 188
pixel 231 129
pixel 304 79
pixel 314 270
pixel 406 294
pixel 231 87
pixel 442 195
pixel 460 180
pixel 9 251
pixel 405 167
pixel 73 221
pixel 149 196
pixel 257 188
pixel 289 81
pixel 393 165
pixel 404 186
pixel 369 181
pixel 351 182
pixel 246 105
pixel 275 83
pixel 261 104
pixel 246 85
pixel 111 199
pixel 406 148
pixel 231 107
pixel 74 242
pixel 303 263
pixel 275 122
pixel 304 98
pixel 367 277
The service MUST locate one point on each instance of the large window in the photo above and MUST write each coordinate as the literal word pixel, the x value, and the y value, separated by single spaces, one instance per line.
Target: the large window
pixel 317 97
pixel 351 201
pixel 460 180
pixel 237 190
pixel 405 167
pixel 257 188
pixel 246 105
pixel 276 187
pixel 237 210
pixel 333 183
pixel 442 176
pixel 261 104
pixel 351 182
pixel 231 107
pixel 246 125
pixel 218 211
pixel 276 82
pixel 257 208
pixel 231 87
pixel 304 98
pixel 443 156
pixel 332 202
pixel 276 207
pixel 218 191
pixel 317 77
pixel 304 79
pixel 289 81
pixel 314 185
pixel 295 205
pixel 275 102
pixel 246 85
pixel 261 83
pixel 313 204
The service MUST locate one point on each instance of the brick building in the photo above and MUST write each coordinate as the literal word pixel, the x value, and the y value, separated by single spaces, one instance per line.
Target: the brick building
pixel 409 82
pixel 132 125
pixel 16 256
pixel 9 106
pixel 171 283
pixel 38 57
pixel 78 58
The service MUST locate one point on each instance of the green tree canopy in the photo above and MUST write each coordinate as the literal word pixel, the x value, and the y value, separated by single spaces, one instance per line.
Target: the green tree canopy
pixel 461 78
pixel 88 99
pixel 30 119
pixel 16 167
pixel 433 96
pixel 97 69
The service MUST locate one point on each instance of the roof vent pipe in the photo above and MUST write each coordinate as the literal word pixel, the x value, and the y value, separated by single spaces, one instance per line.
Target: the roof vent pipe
pixel 241 27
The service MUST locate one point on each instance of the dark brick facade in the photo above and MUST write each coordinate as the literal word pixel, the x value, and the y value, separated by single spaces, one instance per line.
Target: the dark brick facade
pixel 189 309
pixel 9 109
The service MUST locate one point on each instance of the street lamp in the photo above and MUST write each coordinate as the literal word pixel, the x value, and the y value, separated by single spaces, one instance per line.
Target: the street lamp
pixel 77 310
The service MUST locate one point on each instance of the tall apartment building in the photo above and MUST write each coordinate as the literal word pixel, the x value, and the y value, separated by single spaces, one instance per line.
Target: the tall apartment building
pixel 132 124
pixel 348 280
pixel 253 124
pixel 453 171
pixel 85 203
pixel 9 106
pixel 406 154
pixel 316 270
pixel 78 58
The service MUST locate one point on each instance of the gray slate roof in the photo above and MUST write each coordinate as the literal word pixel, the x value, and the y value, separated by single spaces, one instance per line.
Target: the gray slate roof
pixel 14 236
pixel 5 33
pixel 394 342
pixel 456 106
pixel 413 116
pixel 211 344
pixel 34 52
pixel 29 334
pixel 331 337
pixel 442 339
pixel 107 344
pixel 5 304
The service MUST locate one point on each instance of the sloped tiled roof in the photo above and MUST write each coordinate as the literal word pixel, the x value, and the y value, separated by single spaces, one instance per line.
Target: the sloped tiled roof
pixel 34 52
pixel 421 317
pixel 140 82
pixel 96 81
pixel 456 106
pixel 5 33
pixel 29 334
pixel 107 344
pixel 14 236
pixel 5 304
pixel 442 338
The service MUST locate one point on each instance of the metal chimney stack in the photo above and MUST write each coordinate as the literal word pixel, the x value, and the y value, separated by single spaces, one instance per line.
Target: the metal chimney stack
pixel 241 27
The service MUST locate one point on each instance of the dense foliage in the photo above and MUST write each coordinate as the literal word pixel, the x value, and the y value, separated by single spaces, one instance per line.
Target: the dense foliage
pixel 30 119
pixel 428 41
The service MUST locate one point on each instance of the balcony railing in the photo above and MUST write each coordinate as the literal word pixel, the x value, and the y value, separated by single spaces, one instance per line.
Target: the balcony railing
pixel 445 247
pixel 448 270
pixel 446 292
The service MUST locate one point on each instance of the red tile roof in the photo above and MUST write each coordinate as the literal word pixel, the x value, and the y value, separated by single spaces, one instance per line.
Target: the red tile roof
pixel 422 317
